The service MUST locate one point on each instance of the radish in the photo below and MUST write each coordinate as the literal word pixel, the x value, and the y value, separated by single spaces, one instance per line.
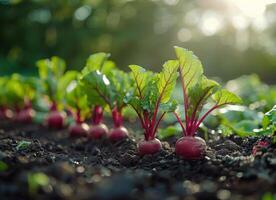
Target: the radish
pixel 151 101
pixel 149 146
pixel 106 86
pixel 26 114
pixel 79 128
pixel 51 72
pixel 98 129
pixel 197 89
pixel 191 147
pixel 5 113
pixel 55 118
pixel 118 132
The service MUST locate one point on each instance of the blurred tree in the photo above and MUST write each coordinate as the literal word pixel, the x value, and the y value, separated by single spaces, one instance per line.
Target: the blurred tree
pixel 143 32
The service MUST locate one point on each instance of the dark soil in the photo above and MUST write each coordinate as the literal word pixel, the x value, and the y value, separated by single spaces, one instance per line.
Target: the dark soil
pixel 85 169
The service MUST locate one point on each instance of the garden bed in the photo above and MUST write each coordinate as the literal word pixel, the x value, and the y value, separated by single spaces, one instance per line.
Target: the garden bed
pixel 85 169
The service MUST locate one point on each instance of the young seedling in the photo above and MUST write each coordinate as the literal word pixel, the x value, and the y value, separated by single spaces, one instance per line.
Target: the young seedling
pixel 151 101
pixel 197 89
pixel 96 64
pixel 51 71
pixel 110 91
pixel 76 99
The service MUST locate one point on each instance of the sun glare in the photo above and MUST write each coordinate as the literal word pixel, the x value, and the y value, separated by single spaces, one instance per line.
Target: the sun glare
pixel 251 8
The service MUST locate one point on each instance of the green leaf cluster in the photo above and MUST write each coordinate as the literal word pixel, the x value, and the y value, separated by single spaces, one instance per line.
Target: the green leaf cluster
pixel 197 91
pixel 153 90
pixel 103 83
pixel 269 122
pixel 151 95
pixel 255 93
pixel 74 95
pixel 198 88
pixel 17 89
pixel 3 97
pixel 50 72
pixel 36 181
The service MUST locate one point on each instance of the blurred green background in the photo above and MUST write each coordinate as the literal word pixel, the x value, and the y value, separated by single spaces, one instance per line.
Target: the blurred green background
pixel 231 37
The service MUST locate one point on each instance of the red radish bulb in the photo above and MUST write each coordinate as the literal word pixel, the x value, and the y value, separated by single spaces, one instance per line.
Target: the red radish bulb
pixel 56 119
pixel 118 133
pixel 5 113
pixel 191 148
pixel 78 129
pixel 25 116
pixel 149 146
pixel 2 113
pixel 97 131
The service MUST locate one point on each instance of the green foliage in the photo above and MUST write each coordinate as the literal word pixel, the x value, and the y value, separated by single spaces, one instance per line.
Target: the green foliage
pixel 243 121
pixel 37 180
pixel 239 120
pixel 166 80
pixel 223 97
pixel 169 131
pixel 197 90
pixel 96 87
pixel 269 122
pixel 120 84
pixel 15 91
pixel 151 95
pixel 190 67
pixel 142 79
pixel 254 93
pixel 3 97
pixel 152 89
pixel 98 61
pixel 50 72
pixel 103 83
pixel 74 94
pixel 23 145
pixel 269 196
pixel 270 118
pixel 93 82
pixel 3 166
pixel 199 94
pixel 243 128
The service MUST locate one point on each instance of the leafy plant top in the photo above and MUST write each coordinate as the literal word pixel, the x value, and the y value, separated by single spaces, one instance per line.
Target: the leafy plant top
pixel 269 124
pixel 197 90
pixel 50 72
pixel 74 95
pixel 151 98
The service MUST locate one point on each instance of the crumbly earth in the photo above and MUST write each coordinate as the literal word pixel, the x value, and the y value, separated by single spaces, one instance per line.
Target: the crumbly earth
pixel 78 168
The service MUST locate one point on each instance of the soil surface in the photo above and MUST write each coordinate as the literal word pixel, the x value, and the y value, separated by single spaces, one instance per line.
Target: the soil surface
pixel 78 168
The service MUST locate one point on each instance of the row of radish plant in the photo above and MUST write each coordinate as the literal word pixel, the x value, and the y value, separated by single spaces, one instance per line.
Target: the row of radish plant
pixel 100 86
